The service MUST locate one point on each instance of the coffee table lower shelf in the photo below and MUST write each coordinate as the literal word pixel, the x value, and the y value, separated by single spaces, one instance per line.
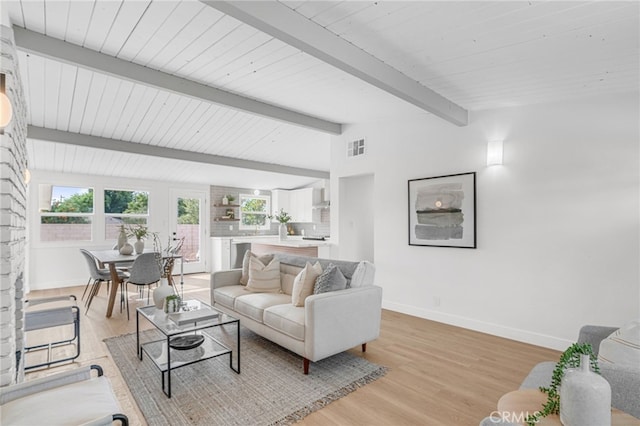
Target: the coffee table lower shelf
pixel 167 360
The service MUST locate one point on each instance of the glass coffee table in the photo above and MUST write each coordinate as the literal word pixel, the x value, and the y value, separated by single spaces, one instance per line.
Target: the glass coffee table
pixel 186 340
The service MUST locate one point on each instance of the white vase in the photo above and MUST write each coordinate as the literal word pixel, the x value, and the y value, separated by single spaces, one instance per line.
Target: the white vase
pixel 161 292
pixel 585 397
pixel 282 231
pixel 122 238
pixel 139 246
pixel 126 249
pixel 225 201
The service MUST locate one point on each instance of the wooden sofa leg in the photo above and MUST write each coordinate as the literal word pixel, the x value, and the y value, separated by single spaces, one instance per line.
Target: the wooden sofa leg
pixel 364 347
pixel 305 362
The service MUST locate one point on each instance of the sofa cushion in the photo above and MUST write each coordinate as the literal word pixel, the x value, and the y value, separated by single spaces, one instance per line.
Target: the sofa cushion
pixel 304 283
pixel 622 346
pixel 253 305
pixel 288 273
pixel 265 259
pixel 287 319
pixel 331 279
pixel 346 267
pixel 263 278
pixel 226 296
pixel 363 275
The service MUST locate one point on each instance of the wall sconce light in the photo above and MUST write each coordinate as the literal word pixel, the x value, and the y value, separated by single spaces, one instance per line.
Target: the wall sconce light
pixel 27 176
pixel 6 111
pixel 494 152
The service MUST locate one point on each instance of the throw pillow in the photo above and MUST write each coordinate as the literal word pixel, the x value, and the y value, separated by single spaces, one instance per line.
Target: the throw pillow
pixel 265 259
pixel 331 279
pixel 622 347
pixel 304 283
pixel 363 275
pixel 263 278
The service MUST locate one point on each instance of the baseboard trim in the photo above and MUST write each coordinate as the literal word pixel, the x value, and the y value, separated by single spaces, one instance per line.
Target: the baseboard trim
pixel 499 330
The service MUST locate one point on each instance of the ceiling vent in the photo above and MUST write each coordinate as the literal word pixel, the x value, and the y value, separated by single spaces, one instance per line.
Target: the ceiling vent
pixel 355 148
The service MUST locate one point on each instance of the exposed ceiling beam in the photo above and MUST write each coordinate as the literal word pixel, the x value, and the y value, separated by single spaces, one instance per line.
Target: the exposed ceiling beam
pixel 78 139
pixel 69 53
pixel 285 24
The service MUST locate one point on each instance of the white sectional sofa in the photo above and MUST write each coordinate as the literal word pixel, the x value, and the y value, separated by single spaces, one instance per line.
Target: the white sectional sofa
pixel 327 324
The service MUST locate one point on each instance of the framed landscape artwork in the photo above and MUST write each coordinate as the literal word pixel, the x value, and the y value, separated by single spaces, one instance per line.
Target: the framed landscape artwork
pixel 442 211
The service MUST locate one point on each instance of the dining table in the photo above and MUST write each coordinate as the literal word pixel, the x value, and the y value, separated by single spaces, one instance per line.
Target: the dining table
pixel 113 258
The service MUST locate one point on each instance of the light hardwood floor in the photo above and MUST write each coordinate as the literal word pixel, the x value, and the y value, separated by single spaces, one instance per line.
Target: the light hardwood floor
pixel 438 374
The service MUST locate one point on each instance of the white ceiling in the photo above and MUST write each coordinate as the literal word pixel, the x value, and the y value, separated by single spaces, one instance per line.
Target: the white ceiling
pixel 476 54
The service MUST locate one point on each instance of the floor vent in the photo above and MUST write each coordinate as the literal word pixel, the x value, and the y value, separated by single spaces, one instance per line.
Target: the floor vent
pixel 355 148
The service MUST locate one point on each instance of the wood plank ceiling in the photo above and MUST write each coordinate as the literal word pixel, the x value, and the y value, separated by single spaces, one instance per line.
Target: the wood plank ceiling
pixel 477 54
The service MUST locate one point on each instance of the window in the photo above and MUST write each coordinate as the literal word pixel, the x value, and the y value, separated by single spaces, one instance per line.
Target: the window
pixel 66 213
pixel 124 208
pixel 253 212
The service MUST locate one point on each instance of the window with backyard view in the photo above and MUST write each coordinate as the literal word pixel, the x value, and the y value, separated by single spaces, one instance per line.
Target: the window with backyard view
pixel 254 210
pixel 66 213
pixel 124 207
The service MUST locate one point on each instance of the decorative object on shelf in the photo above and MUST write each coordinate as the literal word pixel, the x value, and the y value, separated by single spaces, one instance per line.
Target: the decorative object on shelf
pixel 186 342
pixel 122 237
pixel 231 198
pixel 442 211
pixel 585 396
pixel 230 214
pixel 283 218
pixel 126 249
pixel 140 232
pixel 161 293
pixel 570 359
pixel 225 200
pixel 172 303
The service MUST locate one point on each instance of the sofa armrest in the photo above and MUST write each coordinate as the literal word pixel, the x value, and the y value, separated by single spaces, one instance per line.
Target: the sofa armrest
pixel 340 320
pixel 225 278
pixel 594 334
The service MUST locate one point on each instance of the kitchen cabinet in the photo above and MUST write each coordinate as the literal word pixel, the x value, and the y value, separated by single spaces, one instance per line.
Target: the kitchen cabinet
pixel 299 203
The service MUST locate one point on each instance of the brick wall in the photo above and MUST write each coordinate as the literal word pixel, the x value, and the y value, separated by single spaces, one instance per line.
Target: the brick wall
pixel 13 219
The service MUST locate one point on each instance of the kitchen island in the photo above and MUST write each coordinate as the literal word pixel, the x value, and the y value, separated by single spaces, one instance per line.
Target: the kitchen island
pixel 229 251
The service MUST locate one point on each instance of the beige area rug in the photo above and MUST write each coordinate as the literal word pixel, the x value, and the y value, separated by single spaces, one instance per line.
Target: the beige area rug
pixel 271 389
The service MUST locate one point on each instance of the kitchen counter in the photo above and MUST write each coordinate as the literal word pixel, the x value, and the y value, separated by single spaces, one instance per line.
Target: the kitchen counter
pixel 293 241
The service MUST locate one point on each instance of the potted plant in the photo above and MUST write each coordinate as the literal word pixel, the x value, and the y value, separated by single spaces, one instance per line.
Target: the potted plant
pixel 282 218
pixel 569 359
pixel 140 232
pixel 231 198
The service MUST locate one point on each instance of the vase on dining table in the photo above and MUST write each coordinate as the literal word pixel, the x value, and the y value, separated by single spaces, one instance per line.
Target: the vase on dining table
pixel 122 237
pixel 139 246
pixel 161 292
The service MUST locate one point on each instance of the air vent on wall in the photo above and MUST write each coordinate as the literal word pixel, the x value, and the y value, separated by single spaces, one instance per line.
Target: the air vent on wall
pixel 355 148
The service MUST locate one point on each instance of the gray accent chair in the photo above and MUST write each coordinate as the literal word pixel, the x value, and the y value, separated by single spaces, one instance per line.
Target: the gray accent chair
pixel 624 380
pixel 70 397
pixel 98 275
pixel 144 272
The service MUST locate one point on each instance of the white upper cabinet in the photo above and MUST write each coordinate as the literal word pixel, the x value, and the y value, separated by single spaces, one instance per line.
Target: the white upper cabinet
pixel 298 203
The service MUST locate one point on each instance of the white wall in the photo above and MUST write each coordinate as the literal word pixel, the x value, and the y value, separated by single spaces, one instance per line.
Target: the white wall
pixel 60 264
pixel 357 214
pixel 557 225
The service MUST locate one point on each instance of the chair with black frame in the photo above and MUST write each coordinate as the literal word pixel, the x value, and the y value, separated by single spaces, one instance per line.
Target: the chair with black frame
pixel 61 312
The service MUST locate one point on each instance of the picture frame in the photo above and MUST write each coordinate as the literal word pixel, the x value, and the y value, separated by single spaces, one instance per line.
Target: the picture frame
pixel 442 211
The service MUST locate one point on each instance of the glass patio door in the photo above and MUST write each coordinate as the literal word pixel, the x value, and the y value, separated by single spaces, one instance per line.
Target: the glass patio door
pixel 188 222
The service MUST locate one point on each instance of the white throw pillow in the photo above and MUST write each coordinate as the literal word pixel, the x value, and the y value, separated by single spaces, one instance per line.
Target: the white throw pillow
pixel 363 275
pixel 304 282
pixel 263 278
pixel 622 347
pixel 265 259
